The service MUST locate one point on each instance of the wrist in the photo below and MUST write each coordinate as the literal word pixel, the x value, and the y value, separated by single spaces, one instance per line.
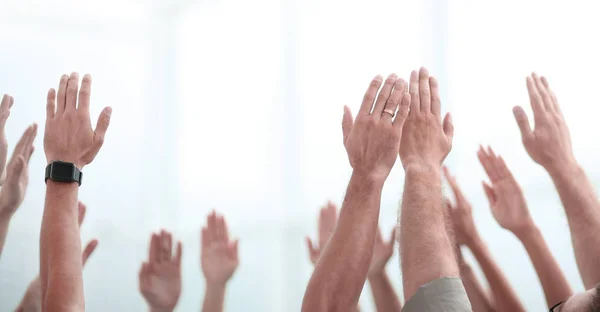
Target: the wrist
pixel 377 275
pixel 215 285
pixel 565 170
pixel 368 179
pixel 426 172
pixel 528 234
pixel 525 230
pixel 154 309
pixel 474 242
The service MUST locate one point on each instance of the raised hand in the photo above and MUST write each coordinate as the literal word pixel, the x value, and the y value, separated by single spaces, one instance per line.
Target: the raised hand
pixel 160 276
pixel 425 140
pixel 549 144
pixel 219 255
pixel 327 222
pixel 5 106
pixel 461 213
pixel 372 141
pixel 17 178
pixel 505 196
pixel 32 300
pixel 69 135
pixel 382 252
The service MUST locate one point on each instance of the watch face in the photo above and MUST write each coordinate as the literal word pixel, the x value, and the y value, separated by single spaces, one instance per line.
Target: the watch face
pixel 62 170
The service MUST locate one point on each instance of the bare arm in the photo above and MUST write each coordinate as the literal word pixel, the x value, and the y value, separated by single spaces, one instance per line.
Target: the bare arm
pixel 426 250
pixel 214 298
pixel 477 296
pixel 384 295
pixel 60 267
pixel 549 144
pixel 69 138
pixel 504 296
pixel 510 210
pixel 372 144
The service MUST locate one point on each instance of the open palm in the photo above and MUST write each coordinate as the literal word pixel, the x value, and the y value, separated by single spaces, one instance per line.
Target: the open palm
pixel 219 256
pixel 160 277
pixel 504 194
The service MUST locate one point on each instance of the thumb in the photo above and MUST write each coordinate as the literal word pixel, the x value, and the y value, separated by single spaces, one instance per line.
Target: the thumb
pixel 99 133
pixel 523 123
pixel 347 122
pixel 448 127
pixel 89 249
pixel 489 193
pixel 393 237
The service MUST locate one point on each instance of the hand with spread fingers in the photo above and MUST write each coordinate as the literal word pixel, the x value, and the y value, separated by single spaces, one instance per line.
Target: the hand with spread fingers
pixel 69 136
pixel 382 252
pixel 5 106
pixel 426 141
pixel 327 223
pixel 219 256
pixel 372 141
pixel 32 300
pixel 549 144
pixel 160 276
pixel 505 196
pixel 17 177
pixel 461 213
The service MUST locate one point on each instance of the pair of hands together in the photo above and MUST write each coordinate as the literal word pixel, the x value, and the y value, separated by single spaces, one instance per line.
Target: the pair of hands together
pixel 160 276
pixel 417 133
pixel 549 145
pixel 382 250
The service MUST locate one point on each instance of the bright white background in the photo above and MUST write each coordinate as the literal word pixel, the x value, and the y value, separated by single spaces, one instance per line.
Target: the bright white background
pixel 236 105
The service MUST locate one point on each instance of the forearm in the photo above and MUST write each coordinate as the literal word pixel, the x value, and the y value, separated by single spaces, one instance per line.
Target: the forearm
pixel 60 250
pixel 386 299
pixel 214 298
pixel 477 295
pixel 4 223
pixel 583 212
pixel 426 250
pixel 504 296
pixel 341 272
pixel 555 285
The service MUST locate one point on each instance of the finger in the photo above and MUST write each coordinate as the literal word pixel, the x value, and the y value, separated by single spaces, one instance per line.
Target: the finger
pixel 225 229
pixel 535 99
pixel 100 132
pixel 555 105
pixel 179 253
pixel 165 252
pixel 489 193
pixel 378 236
pixel 204 238
pixel 402 112
pixel 154 249
pixel 4 110
pixel 18 168
pixel 453 184
pixel 323 232
pixel 384 95
pixel 89 249
pixel 415 104
pixel 311 247
pixel 170 246
pixel 221 228
pixel 424 91
pixel 390 107
pixel 523 123
pixel 543 92
pixel 61 99
pixel 486 162
pixel 448 127
pixel 81 210
pixel 369 98
pixel 347 122
pixel 436 102
pixel 84 95
pixel 212 226
pixel 501 168
pixel 29 147
pixel 72 88
pixel 50 104
pixel 21 145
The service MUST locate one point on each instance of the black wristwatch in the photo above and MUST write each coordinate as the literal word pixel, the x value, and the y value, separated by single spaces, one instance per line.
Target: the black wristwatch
pixel 63 172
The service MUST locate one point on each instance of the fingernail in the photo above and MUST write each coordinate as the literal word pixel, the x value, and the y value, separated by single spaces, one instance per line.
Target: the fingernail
pixel 378 78
pixel 108 111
